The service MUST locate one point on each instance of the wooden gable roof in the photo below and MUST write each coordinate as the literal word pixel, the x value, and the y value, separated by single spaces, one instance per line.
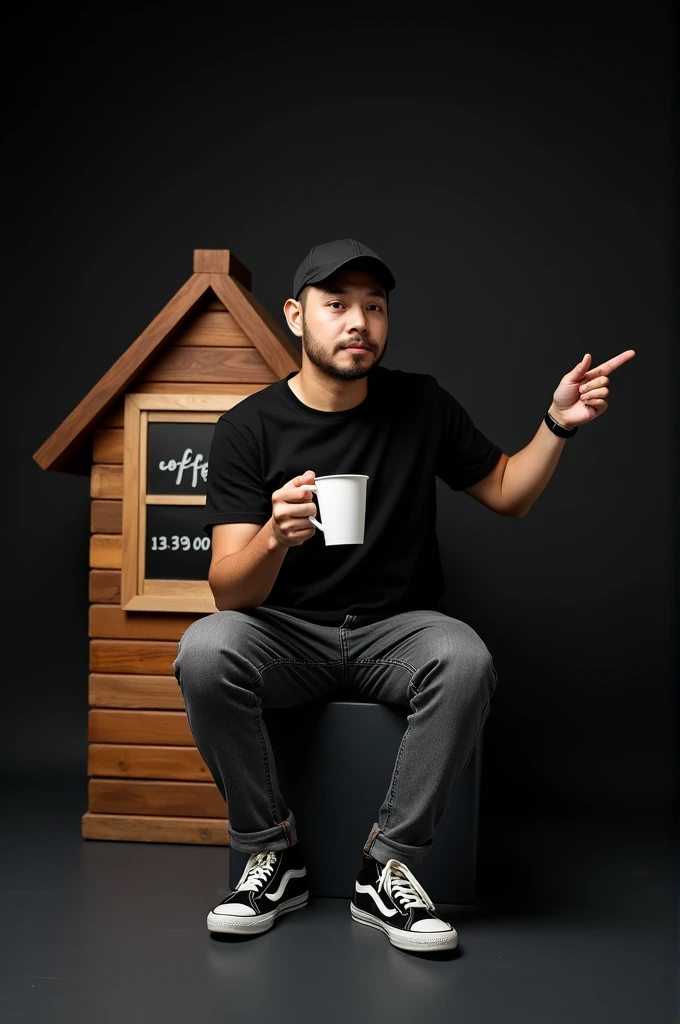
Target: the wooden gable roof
pixel 214 269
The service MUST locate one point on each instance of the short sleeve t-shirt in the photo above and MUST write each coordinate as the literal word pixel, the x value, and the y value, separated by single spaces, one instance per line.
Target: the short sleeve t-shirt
pixel 407 431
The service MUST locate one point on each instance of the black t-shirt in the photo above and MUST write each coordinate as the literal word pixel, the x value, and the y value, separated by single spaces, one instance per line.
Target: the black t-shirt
pixel 405 433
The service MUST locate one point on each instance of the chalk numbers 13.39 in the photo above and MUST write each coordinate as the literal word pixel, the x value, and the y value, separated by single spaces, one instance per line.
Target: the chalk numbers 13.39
pixel 177 543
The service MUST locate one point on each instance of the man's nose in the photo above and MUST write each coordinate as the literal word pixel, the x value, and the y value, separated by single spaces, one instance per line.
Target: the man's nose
pixel 357 321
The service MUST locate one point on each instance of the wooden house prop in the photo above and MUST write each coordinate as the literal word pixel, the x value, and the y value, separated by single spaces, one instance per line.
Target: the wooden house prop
pixel 142 435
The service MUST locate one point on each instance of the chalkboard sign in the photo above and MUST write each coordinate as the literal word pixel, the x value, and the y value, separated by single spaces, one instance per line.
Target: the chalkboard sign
pixel 176 546
pixel 177 458
pixel 166 554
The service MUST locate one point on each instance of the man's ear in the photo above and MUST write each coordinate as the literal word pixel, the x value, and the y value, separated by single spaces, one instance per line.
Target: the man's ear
pixel 293 314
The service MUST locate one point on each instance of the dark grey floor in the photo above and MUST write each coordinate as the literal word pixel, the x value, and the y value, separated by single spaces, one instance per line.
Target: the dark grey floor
pixel 575 922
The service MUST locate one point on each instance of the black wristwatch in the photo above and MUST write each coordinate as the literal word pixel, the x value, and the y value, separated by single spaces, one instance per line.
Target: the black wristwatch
pixel 557 428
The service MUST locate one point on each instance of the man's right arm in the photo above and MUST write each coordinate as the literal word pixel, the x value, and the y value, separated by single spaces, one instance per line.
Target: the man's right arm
pixel 244 578
pixel 246 557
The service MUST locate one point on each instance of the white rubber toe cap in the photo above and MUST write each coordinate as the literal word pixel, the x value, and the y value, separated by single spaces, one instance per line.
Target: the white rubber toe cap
pixel 428 924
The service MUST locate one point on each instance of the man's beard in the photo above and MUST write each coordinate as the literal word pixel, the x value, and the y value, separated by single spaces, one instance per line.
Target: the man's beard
pixel 318 355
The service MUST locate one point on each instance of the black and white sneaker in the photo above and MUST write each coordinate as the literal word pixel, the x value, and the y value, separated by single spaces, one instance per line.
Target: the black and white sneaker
pixel 273 883
pixel 389 898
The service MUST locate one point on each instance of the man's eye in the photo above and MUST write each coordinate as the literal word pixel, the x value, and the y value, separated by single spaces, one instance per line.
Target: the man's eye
pixel 336 303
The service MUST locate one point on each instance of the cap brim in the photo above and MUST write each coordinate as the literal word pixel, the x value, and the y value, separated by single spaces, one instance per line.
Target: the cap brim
pixel 384 275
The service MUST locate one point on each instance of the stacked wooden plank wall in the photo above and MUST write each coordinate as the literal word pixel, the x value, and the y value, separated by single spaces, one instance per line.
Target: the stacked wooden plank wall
pixel 147 780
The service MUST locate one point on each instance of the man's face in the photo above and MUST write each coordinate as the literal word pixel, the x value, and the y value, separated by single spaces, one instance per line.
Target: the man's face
pixel 348 309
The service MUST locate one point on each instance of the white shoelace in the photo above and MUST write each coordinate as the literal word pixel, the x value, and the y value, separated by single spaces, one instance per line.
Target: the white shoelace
pixel 397 879
pixel 259 871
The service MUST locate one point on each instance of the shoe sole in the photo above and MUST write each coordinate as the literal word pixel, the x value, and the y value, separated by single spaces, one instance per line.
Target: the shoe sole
pixel 414 941
pixel 232 925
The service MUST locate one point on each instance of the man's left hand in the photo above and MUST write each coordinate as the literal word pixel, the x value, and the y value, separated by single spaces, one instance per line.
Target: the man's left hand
pixel 582 393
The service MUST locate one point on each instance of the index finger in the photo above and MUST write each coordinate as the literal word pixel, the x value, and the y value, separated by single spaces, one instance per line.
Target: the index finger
pixel 297 492
pixel 610 365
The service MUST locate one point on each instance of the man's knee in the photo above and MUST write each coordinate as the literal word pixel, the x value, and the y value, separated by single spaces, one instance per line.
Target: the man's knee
pixel 204 646
pixel 461 647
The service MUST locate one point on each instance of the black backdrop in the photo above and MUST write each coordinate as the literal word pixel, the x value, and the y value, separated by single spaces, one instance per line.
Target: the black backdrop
pixel 512 163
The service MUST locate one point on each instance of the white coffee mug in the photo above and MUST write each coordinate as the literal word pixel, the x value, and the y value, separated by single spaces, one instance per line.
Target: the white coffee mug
pixel 342 504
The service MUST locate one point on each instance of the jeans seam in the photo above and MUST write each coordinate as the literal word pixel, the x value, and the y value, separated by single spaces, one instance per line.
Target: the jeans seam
pixel 290 661
pixel 344 651
pixel 397 766
pixel 265 759
pixel 388 661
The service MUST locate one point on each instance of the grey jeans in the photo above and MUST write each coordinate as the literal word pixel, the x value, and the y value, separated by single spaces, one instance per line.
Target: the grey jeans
pixel 231 664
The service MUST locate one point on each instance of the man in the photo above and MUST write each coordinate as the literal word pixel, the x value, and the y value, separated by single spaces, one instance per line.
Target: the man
pixel 300 620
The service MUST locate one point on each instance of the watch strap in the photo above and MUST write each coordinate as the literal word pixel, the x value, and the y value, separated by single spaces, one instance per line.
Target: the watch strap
pixel 557 428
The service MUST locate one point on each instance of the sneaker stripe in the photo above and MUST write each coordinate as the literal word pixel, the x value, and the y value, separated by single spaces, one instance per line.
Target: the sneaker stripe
pixel 291 873
pixel 387 911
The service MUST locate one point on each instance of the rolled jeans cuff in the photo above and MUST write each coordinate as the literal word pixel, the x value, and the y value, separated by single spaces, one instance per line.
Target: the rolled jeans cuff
pixel 277 838
pixel 382 848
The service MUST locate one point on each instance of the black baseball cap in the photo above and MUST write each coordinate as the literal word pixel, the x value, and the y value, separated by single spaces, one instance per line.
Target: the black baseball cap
pixel 323 260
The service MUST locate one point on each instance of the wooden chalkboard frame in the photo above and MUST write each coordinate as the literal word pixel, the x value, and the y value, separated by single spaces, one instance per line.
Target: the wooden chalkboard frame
pixel 137 592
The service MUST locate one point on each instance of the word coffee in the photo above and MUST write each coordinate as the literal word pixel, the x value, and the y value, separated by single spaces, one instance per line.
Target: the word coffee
pixel 197 466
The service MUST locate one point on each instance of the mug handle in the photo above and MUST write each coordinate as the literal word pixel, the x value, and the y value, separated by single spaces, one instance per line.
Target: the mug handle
pixel 313 487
